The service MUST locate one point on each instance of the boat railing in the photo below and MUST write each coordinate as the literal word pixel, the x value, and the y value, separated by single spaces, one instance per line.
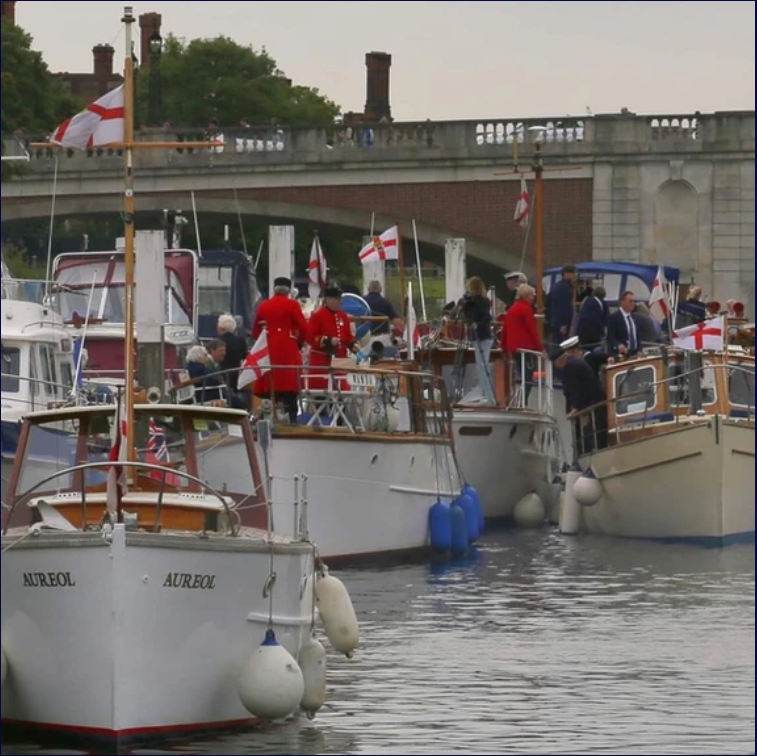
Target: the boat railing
pixel 232 519
pixel 388 398
pixel 591 427
pixel 41 394
pixel 531 370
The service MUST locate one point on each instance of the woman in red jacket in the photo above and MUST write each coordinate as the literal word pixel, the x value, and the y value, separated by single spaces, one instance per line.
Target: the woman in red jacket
pixel 520 332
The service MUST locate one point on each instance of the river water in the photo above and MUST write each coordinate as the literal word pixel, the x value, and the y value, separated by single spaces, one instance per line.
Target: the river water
pixel 537 644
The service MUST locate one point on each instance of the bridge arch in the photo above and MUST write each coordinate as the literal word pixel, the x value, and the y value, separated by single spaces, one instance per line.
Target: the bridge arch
pixel 274 211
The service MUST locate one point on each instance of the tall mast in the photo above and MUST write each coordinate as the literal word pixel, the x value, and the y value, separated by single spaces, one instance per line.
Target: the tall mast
pixel 538 168
pixel 129 256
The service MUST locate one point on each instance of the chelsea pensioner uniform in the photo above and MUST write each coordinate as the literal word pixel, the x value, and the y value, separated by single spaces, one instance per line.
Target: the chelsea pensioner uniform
pixel 325 324
pixel 287 331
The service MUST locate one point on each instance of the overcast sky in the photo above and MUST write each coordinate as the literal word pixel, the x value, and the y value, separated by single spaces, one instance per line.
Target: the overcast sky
pixel 460 59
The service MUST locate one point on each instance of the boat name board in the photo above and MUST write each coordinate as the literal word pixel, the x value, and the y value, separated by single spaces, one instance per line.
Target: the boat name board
pixel 189 581
pixel 48 580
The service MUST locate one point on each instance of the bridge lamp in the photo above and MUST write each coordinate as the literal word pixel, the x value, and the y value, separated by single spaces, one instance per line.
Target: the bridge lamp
pixel 154 94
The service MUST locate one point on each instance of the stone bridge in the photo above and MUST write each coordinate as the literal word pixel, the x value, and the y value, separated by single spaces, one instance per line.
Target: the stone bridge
pixel 672 189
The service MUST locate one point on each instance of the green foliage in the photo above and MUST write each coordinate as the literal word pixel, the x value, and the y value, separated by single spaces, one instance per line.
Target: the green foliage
pixel 18 262
pixel 32 99
pixel 218 78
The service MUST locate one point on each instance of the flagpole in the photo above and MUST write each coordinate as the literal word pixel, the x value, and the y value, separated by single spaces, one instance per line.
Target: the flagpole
pixel 129 219
pixel 539 234
pixel 401 263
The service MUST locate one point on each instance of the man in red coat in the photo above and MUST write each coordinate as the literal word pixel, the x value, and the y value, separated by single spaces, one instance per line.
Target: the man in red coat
pixel 330 335
pixel 287 331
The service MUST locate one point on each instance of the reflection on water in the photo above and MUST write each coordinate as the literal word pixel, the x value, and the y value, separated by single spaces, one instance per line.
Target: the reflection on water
pixel 538 644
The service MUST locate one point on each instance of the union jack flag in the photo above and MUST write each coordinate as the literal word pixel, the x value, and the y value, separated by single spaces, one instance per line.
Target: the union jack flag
pixel 157 453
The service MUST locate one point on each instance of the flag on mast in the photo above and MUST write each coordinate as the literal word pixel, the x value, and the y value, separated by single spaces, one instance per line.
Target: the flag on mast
pixel 316 269
pixel 522 208
pixel 659 306
pixel 99 124
pixel 384 247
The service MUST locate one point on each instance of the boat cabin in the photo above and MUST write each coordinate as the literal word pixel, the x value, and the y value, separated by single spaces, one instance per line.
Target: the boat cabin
pixel 89 288
pixel 37 358
pixel 177 478
pixel 656 393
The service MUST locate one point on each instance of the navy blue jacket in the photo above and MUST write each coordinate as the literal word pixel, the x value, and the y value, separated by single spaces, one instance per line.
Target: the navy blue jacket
pixel 560 308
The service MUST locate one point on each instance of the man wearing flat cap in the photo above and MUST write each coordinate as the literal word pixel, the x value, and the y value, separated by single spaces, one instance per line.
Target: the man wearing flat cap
pixel 287 331
pixel 330 334
pixel 582 389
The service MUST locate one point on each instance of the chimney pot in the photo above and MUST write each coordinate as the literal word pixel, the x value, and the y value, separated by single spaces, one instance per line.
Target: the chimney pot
pixel 9 10
pixel 103 60
pixel 377 106
pixel 149 24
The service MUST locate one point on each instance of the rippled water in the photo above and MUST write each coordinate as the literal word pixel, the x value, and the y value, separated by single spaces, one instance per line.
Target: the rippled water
pixel 538 644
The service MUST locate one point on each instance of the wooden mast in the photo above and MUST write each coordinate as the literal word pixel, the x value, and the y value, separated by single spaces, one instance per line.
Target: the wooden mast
pixel 129 219
pixel 538 169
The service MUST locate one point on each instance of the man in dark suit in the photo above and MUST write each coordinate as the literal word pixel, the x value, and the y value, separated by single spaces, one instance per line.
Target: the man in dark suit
pixel 560 305
pixel 583 389
pixel 622 332
pixel 592 320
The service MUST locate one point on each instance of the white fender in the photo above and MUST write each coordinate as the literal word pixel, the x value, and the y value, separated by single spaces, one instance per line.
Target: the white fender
pixel 337 614
pixel 271 684
pixel 313 666
pixel 529 512
pixel 570 513
pixel 587 489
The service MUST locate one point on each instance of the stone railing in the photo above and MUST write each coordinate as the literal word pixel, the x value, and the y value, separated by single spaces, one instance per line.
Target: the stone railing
pixel 622 133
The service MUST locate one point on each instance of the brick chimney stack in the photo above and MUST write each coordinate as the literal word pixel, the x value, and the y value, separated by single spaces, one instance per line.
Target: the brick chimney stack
pixel 103 57
pixel 9 10
pixel 377 86
pixel 149 24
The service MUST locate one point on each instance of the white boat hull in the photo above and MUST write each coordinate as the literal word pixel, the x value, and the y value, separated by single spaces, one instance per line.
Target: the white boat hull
pixel 505 455
pixel 366 497
pixel 142 638
pixel 695 482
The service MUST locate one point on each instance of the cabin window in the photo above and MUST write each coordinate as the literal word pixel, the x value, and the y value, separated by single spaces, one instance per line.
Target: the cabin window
pixel 215 290
pixel 11 360
pixel 66 374
pixel 740 385
pixel 634 390
pixel 679 386
pixel 47 370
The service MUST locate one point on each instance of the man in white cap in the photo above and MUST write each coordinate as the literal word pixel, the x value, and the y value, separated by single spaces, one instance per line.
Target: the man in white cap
pixel 513 279
pixel 582 389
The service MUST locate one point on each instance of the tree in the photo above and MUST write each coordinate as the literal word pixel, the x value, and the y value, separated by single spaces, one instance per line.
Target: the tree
pixel 32 99
pixel 218 78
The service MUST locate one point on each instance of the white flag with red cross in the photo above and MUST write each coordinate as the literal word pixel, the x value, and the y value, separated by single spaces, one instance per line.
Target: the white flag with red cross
pixel 99 124
pixel 316 270
pixel 258 362
pixel 659 306
pixel 384 247
pixel 707 335
pixel 522 208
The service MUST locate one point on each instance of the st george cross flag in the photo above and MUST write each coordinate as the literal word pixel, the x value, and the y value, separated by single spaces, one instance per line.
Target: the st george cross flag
pixel 316 270
pixel 99 124
pixel 522 208
pixel 707 335
pixel 659 307
pixel 116 482
pixel 257 363
pixel 384 247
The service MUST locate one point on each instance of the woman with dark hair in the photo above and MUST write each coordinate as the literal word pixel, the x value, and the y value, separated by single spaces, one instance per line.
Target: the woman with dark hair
pixel 477 310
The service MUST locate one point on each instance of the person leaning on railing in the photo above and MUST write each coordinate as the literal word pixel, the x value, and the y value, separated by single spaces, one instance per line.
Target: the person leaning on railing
pixel 582 389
